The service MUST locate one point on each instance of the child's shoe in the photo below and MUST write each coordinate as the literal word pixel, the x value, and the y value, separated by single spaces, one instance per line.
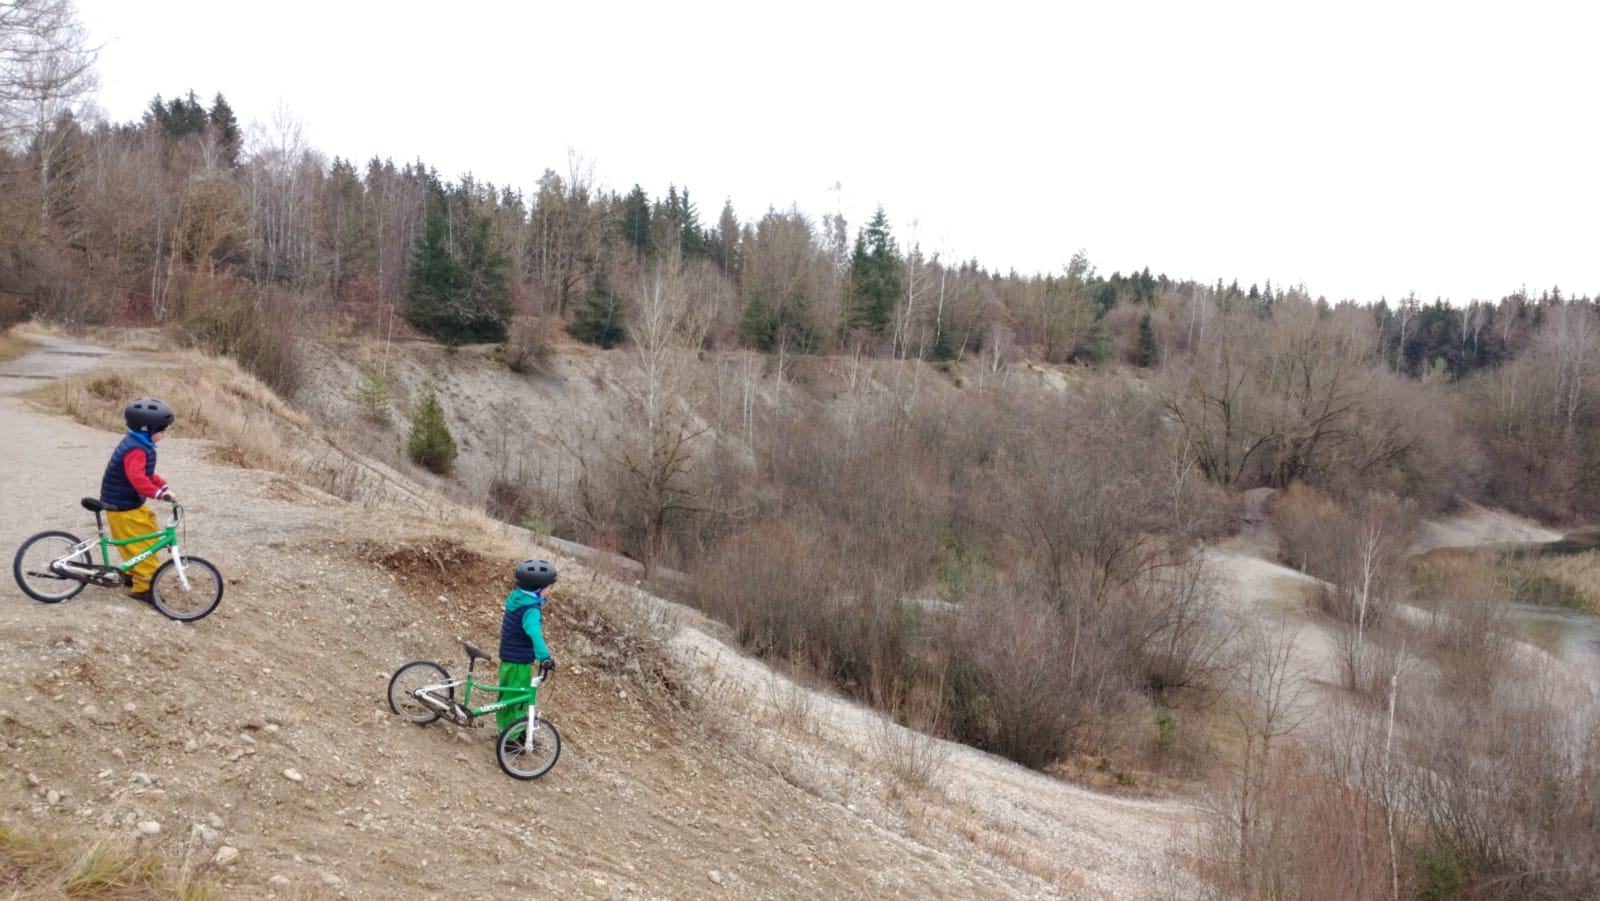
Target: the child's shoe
pixel 142 596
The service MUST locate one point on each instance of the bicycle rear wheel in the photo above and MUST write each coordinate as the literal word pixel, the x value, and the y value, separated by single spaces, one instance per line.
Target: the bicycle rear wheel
pixel 528 756
pixel 405 682
pixel 186 604
pixel 32 567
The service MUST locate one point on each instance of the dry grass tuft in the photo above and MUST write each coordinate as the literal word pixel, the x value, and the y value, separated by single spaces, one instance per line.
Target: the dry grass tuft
pixel 13 345
pixel 1572 580
pixel 916 760
pixel 113 870
pixel 213 399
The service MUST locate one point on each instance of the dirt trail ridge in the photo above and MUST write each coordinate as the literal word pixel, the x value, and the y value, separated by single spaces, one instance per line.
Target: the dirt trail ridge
pixel 254 748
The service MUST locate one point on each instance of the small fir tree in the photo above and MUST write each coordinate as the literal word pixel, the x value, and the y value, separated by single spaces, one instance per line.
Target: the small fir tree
pixel 944 350
pixel 431 444
pixel 1145 355
pixel 756 326
pixel 599 318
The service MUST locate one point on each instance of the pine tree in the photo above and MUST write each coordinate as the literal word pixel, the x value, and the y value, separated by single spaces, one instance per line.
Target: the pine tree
pixel 691 236
pixel 435 277
pixel 874 277
pixel 599 318
pixel 431 444
pixel 943 350
pixel 755 325
pixel 724 245
pixel 458 293
pixel 636 221
pixel 1145 355
pixel 227 126
pixel 666 224
pixel 186 116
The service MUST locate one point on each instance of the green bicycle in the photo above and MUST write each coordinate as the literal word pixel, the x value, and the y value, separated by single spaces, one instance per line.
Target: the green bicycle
pixel 421 691
pixel 54 566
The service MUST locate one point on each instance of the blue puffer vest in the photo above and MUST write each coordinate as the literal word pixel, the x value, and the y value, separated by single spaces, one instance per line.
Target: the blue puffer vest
pixel 515 644
pixel 116 492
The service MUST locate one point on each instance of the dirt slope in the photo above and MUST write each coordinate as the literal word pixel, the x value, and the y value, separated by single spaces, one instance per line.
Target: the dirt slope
pixel 258 742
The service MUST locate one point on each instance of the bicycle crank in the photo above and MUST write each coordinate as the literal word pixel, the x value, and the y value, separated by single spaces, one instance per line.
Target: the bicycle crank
pixel 448 710
pixel 104 576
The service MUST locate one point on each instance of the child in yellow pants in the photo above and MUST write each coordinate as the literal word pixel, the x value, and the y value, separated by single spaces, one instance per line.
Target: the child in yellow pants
pixel 130 478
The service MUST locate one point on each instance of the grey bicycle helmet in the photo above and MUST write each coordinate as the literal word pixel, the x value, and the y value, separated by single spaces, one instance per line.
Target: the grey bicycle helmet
pixel 533 575
pixel 148 415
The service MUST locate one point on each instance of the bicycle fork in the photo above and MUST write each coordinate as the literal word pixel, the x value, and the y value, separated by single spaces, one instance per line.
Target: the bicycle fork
pixel 177 564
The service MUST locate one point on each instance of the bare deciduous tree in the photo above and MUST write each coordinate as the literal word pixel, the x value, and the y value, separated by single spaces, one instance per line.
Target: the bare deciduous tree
pixel 46 72
pixel 1269 704
pixel 566 240
pixel 1569 348
pixel 650 446
pixel 1214 397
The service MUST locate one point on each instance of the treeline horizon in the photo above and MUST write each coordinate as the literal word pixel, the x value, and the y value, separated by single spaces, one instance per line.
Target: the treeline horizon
pixel 343 235
pixel 168 221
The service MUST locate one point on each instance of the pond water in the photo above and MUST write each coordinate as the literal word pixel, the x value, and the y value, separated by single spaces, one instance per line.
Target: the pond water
pixel 1567 633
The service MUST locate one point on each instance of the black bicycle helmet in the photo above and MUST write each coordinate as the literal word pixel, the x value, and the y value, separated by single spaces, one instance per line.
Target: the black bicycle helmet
pixel 533 575
pixel 148 415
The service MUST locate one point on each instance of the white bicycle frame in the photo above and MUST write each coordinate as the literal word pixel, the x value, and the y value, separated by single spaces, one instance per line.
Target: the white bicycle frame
pixel 427 694
pixel 64 562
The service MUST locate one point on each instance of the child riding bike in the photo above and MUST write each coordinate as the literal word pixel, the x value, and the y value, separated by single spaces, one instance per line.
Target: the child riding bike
pixel 130 477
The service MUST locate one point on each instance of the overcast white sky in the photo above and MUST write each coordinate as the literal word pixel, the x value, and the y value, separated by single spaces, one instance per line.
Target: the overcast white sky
pixel 1364 149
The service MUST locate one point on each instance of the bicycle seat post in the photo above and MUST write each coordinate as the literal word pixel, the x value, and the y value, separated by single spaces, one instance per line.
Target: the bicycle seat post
pixel 93 505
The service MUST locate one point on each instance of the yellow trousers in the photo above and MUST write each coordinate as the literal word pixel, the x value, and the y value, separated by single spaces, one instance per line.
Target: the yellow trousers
pixel 127 524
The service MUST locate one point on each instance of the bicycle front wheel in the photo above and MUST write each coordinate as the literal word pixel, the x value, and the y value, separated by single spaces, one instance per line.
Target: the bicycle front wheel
pixel 186 604
pixel 32 567
pixel 525 755
pixel 405 683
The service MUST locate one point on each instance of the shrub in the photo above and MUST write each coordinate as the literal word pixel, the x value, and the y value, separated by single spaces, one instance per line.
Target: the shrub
pixel 1011 668
pixel 959 571
pixel 374 393
pixel 529 344
pixel 11 310
pixel 1166 726
pixel 1538 588
pixel 431 444
pixel 535 521
pixel 1441 874
pixel 258 335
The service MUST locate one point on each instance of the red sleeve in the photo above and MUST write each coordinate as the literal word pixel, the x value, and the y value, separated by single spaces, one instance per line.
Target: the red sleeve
pixel 147 486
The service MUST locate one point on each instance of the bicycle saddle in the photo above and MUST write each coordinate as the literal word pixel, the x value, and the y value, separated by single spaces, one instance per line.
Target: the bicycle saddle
pixel 93 505
pixel 476 653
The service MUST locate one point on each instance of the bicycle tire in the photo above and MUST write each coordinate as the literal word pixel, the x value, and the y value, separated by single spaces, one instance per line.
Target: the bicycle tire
pixel 202 597
pixel 31 567
pixel 403 687
pixel 522 759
